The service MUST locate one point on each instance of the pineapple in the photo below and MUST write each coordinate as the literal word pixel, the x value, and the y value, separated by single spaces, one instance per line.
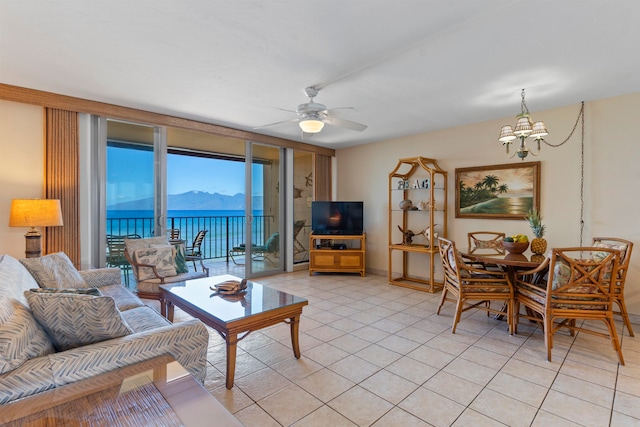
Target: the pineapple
pixel 538 245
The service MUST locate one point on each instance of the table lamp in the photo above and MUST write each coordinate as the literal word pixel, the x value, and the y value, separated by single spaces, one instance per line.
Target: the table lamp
pixel 34 213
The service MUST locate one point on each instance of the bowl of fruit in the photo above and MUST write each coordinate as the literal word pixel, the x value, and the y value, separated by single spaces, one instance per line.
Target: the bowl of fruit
pixel 516 244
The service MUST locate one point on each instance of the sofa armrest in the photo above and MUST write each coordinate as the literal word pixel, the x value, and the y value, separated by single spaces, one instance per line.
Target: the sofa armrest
pixel 186 341
pixel 102 277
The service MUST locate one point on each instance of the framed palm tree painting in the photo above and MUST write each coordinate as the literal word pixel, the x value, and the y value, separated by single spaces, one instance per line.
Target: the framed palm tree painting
pixel 498 191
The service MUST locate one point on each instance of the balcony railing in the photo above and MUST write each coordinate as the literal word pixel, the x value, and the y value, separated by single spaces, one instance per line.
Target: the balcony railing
pixel 224 232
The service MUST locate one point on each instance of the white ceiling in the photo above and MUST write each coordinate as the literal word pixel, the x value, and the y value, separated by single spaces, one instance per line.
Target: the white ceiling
pixel 406 66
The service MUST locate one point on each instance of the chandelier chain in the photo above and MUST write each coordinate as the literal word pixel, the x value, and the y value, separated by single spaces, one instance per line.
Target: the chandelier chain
pixel 580 117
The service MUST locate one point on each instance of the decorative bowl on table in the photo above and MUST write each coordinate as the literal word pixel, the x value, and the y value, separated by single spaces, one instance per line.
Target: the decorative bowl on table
pixel 515 247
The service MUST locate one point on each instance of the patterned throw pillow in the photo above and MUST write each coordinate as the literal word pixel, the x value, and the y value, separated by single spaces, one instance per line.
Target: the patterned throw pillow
pixel 161 257
pixel 73 320
pixel 21 337
pixel 54 271
pixel 179 259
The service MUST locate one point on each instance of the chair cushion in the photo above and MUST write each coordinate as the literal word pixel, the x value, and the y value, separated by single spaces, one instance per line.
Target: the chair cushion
pixel 562 274
pixel 73 320
pixel 133 245
pixel 273 243
pixel 54 271
pixel 161 257
pixel 179 259
pixel 21 337
pixel 455 259
pixel 622 247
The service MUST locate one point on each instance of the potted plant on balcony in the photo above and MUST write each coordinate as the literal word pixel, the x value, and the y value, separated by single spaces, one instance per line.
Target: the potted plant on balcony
pixel 538 245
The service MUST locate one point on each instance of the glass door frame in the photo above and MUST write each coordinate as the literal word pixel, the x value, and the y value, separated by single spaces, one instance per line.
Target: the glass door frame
pixel 99 181
pixel 250 271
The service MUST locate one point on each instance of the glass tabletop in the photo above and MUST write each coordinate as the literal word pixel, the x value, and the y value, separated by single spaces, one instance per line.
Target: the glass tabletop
pixel 255 300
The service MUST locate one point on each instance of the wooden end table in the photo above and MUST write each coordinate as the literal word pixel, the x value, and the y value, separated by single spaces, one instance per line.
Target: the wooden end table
pixel 235 316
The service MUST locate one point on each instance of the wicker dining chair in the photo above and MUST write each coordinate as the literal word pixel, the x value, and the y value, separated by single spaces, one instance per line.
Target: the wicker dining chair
pixel 579 287
pixel 486 242
pixel 473 287
pixel 625 247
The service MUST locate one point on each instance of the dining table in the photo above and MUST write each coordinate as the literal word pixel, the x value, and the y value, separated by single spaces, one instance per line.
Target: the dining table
pixel 511 264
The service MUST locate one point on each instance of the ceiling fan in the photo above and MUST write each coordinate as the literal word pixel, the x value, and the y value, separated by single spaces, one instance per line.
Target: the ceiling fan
pixel 312 116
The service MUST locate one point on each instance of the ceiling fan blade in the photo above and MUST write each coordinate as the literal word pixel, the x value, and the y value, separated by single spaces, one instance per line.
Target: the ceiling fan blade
pixel 330 110
pixel 344 123
pixel 277 123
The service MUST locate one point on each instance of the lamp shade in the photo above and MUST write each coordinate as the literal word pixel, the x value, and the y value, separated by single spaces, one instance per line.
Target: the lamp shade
pixel 523 126
pixel 539 130
pixel 311 125
pixel 506 134
pixel 35 213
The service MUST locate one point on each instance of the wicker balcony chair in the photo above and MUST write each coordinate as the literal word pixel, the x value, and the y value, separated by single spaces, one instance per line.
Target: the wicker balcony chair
pixel 195 250
pixel 155 262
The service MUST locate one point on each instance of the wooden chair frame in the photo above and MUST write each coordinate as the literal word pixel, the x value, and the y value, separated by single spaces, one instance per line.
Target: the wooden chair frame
pixel 467 284
pixel 492 241
pixel 116 256
pixel 161 280
pixel 623 267
pixel 586 295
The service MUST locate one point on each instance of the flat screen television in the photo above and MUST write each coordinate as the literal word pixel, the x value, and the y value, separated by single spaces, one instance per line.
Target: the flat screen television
pixel 337 218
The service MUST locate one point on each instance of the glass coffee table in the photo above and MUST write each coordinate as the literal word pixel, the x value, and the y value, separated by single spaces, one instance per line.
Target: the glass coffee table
pixel 235 316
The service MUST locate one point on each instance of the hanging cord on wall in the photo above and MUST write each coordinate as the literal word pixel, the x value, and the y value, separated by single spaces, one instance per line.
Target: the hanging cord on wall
pixel 580 120
pixel 581 175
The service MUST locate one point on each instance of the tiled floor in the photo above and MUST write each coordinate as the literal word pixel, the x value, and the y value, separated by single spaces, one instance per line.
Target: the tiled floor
pixel 376 354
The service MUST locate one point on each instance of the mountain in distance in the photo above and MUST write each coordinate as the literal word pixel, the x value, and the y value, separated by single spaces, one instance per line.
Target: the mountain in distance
pixel 193 201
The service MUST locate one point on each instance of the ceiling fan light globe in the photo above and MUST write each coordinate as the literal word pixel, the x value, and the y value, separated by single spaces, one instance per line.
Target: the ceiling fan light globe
pixel 311 125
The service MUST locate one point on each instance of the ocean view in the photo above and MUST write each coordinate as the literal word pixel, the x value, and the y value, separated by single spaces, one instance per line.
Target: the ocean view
pixel 226 228
pixel 125 213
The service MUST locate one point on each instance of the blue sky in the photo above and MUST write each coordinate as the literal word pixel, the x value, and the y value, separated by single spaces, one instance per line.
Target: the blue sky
pixel 130 175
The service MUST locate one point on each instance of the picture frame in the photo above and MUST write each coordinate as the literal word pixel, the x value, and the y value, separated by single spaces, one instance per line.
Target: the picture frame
pixel 506 191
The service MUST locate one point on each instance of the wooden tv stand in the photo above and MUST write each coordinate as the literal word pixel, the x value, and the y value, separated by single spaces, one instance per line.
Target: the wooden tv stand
pixel 328 260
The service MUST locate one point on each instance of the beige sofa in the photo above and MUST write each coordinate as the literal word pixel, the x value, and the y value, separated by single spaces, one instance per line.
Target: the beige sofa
pixel 31 360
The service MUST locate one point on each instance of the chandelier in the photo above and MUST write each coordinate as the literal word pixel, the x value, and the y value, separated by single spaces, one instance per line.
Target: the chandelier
pixel 524 129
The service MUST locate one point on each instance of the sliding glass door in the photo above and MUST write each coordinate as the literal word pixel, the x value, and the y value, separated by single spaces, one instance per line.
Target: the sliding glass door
pixel 264 207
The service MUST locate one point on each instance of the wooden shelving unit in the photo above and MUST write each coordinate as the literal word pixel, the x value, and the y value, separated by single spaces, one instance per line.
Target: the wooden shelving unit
pixel 418 179
pixel 326 259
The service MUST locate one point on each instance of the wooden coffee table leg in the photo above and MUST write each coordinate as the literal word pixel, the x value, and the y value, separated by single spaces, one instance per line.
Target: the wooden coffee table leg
pixel 295 326
pixel 232 345
pixel 169 309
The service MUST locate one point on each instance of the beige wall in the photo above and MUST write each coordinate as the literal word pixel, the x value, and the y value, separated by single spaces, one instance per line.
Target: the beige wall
pixel 611 176
pixel 611 204
pixel 21 166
